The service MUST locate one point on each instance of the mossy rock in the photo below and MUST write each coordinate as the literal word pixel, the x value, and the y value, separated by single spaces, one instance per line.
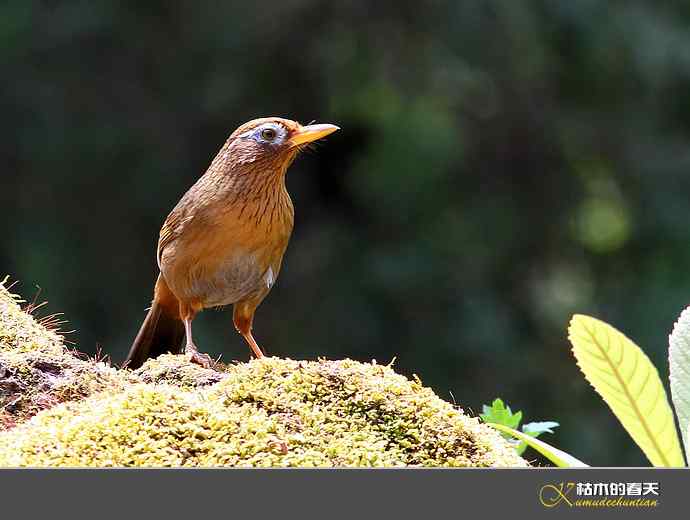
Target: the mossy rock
pixel 37 371
pixel 265 413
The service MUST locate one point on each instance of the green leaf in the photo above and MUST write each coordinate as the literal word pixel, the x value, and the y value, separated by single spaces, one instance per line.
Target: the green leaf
pixel 679 373
pixel 629 383
pixel 558 457
pixel 499 413
pixel 536 428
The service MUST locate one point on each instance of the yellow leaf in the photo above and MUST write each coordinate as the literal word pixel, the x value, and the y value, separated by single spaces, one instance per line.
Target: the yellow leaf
pixel 629 383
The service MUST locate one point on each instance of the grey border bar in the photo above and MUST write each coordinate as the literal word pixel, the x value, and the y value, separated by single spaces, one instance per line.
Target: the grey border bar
pixel 322 493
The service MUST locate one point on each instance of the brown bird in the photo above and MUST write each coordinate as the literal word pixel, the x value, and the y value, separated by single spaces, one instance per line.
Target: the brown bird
pixel 224 241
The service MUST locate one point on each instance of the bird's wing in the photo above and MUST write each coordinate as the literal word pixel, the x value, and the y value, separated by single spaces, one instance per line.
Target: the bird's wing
pixel 172 227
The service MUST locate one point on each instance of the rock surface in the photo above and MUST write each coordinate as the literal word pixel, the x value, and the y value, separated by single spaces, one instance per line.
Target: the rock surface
pixel 57 409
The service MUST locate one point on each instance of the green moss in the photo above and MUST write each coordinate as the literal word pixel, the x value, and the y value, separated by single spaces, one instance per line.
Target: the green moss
pixel 175 370
pixel 37 371
pixel 269 412
pixel 19 331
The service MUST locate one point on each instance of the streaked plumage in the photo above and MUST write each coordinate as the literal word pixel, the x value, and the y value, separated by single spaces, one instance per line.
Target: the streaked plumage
pixel 224 241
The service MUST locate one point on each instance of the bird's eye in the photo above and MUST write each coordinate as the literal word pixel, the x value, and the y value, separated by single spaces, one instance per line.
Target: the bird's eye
pixel 268 134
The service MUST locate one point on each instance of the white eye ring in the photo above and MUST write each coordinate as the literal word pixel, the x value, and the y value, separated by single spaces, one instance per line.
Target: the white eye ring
pixel 269 134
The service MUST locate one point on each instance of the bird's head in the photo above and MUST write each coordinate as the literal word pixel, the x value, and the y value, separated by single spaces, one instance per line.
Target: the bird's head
pixel 273 139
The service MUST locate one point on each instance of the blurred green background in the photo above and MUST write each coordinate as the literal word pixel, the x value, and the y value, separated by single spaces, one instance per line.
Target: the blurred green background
pixel 501 165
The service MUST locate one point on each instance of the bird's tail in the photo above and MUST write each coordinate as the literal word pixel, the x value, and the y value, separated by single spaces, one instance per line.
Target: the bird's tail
pixel 162 330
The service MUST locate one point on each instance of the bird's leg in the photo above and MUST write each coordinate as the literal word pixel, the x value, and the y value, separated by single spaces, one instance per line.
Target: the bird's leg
pixel 242 317
pixel 187 313
pixel 252 343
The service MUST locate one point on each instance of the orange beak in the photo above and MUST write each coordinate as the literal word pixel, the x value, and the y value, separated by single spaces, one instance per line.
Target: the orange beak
pixel 311 133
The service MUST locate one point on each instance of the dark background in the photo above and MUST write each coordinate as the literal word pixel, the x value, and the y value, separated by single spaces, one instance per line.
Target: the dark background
pixel 501 165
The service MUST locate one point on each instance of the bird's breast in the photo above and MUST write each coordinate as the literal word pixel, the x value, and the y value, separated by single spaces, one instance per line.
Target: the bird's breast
pixel 226 262
pixel 239 276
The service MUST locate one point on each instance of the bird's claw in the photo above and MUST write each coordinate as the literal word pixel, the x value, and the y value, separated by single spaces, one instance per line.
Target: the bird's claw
pixel 201 359
pixel 198 358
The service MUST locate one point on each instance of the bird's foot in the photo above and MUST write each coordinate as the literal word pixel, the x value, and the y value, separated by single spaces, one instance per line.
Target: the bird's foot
pixel 203 360
pixel 197 357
